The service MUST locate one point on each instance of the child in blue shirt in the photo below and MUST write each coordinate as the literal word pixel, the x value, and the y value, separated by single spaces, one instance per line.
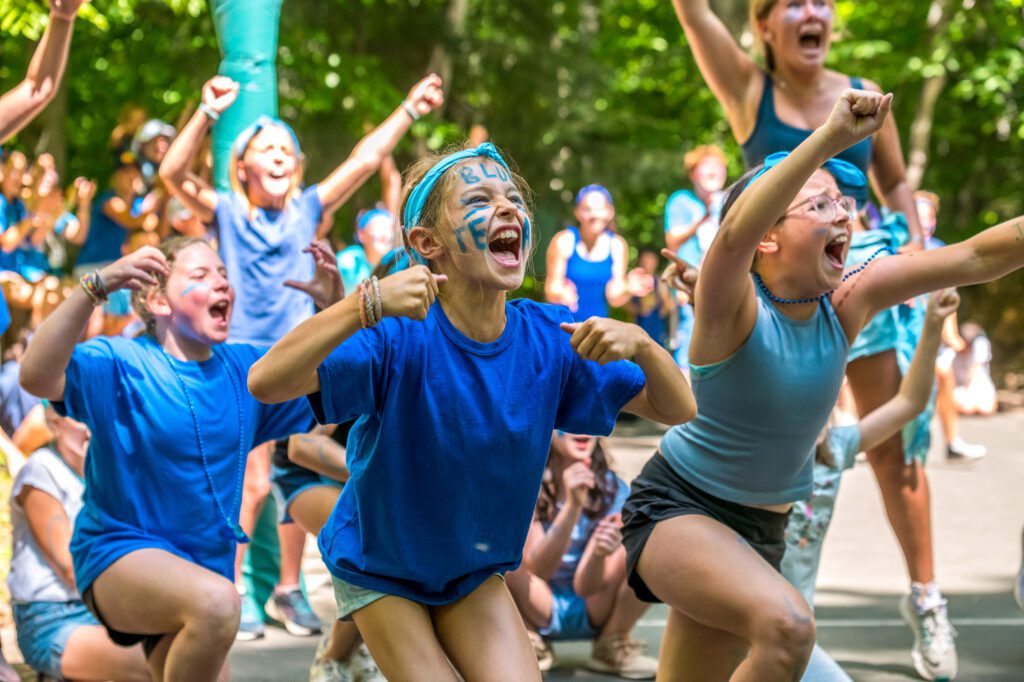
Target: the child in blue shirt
pixel 836 452
pixel 455 403
pixel 263 224
pixel 572 583
pixel 171 424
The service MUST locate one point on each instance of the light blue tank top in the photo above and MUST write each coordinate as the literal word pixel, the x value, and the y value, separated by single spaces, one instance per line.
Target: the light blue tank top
pixel 760 411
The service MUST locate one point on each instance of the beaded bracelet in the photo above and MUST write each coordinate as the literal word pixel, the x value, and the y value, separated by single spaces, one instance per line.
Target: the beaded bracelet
pixel 411 110
pixel 92 285
pixel 371 320
pixel 362 305
pixel 378 303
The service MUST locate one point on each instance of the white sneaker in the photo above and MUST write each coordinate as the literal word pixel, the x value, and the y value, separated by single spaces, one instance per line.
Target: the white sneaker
pixel 934 651
pixel 960 449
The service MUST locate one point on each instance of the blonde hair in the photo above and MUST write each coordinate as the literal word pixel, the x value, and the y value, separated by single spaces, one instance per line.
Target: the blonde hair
pixel 931 197
pixel 434 214
pixel 170 249
pixel 693 157
pixel 242 188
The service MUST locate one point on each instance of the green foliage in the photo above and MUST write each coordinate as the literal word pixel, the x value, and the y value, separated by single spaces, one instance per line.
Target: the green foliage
pixel 576 91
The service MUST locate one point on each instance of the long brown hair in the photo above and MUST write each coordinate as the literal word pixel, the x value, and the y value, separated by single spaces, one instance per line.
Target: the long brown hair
pixel 599 498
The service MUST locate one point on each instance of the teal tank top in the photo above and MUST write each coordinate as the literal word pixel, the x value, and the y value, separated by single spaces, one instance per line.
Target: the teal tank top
pixel 772 135
pixel 761 410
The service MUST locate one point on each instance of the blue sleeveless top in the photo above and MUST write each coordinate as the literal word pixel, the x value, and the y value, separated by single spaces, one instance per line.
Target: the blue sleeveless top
pixel 760 411
pixel 590 279
pixel 772 135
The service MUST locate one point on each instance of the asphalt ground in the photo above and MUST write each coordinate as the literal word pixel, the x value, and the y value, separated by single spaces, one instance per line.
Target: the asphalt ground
pixel 978 515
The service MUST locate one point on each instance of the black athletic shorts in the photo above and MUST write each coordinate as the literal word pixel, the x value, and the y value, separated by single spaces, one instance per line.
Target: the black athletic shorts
pixel 659 493
pixel 124 639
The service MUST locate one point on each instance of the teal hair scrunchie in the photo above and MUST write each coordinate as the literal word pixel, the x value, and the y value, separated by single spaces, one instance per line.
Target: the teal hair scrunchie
pixel 851 180
pixel 421 192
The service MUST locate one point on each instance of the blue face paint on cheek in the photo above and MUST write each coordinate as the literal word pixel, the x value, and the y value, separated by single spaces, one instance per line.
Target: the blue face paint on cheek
pixel 194 285
pixel 526 227
pixel 458 237
pixel 479 234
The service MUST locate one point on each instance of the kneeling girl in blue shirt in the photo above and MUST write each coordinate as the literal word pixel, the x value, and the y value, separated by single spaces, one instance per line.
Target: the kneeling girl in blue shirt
pixel 572 584
pixel 455 405
pixel 171 424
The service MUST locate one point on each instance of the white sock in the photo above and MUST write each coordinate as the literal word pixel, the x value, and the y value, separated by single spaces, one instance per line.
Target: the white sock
pixel 926 596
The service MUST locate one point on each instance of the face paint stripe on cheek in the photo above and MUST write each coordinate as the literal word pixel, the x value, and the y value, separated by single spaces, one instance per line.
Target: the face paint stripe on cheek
pixel 195 285
pixel 458 237
pixel 479 236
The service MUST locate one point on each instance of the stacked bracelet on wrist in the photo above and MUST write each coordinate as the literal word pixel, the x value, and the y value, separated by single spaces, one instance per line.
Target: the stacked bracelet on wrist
pixel 92 285
pixel 371 309
pixel 209 112
pixel 411 110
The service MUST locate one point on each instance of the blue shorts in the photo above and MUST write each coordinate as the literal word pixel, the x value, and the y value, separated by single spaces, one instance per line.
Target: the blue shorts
pixel 569 618
pixel 43 630
pixel 288 481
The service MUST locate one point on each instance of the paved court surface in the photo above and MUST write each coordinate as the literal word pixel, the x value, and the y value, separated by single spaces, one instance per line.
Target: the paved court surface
pixel 979 511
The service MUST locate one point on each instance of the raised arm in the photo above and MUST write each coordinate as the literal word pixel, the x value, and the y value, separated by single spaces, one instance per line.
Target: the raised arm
pixel 49 353
pixel 725 299
pixel 85 191
pixel 21 104
pixel 196 194
pixel 594 571
pixel 371 151
pixel 733 76
pixel 916 387
pixel 289 369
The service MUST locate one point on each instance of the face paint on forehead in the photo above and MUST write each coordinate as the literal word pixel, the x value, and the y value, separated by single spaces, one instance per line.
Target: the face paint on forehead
pixel 494 170
pixel 468 176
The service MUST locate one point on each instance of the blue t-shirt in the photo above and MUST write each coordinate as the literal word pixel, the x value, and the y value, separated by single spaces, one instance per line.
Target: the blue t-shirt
pixel 451 441
pixel 261 253
pixel 146 483
pixel 106 236
pixel 581 532
pixel 810 519
pixel 353 266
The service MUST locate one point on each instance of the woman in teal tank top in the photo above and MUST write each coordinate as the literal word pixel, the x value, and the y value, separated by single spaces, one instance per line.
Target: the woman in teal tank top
pixel 710 508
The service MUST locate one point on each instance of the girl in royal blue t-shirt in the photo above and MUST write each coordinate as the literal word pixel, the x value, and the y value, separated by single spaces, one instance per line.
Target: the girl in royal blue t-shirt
pixel 171 420
pixel 455 404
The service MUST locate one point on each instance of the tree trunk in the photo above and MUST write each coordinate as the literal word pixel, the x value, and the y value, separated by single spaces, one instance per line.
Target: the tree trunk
pixel 939 15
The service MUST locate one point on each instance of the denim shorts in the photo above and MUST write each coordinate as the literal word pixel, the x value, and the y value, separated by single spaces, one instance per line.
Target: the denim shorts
pixel 288 481
pixel 43 630
pixel 569 617
pixel 350 598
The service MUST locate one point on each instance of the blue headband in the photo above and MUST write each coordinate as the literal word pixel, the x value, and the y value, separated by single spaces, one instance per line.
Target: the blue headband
pixel 850 179
pixel 245 137
pixel 366 216
pixel 421 192
pixel 590 189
